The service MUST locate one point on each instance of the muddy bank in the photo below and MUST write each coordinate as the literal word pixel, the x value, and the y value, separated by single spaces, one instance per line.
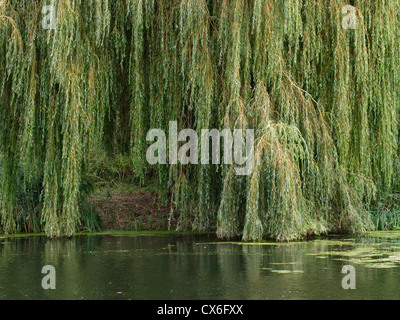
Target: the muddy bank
pixel 138 211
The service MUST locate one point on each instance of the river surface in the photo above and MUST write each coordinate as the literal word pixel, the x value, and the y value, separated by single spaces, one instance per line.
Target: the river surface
pixel 189 267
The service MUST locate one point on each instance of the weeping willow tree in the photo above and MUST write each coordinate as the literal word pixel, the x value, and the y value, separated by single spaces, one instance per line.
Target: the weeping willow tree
pixel 323 100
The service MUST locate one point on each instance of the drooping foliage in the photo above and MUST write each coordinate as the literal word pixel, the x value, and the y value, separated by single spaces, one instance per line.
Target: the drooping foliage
pixel 323 100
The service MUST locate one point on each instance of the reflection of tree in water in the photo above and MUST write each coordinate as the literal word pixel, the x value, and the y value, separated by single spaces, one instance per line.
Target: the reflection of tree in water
pixel 191 267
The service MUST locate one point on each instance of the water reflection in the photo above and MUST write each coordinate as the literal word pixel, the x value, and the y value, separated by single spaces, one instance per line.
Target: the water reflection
pixel 193 267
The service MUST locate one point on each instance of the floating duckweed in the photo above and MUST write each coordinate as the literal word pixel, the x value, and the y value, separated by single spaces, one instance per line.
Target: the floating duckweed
pixel 334 242
pixel 288 271
pixel 372 255
pixel 384 234
pixel 381 266
pixel 284 263
pixel 254 243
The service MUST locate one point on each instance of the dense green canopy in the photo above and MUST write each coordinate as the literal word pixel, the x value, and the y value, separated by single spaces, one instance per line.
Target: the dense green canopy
pixel 323 101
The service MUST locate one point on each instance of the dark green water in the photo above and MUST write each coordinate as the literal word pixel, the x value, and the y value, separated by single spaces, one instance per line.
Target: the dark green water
pixel 190 267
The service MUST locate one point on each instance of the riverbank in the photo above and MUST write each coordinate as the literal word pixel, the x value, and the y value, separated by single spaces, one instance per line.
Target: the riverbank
pixel 389 235
pixel 125 209
pixel 111 233
pixel 129 208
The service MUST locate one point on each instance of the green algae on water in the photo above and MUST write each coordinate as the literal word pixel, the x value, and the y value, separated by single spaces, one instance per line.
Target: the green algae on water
pixel 288 271
pixel 384 234
pixel 370 254
pixel 254 243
